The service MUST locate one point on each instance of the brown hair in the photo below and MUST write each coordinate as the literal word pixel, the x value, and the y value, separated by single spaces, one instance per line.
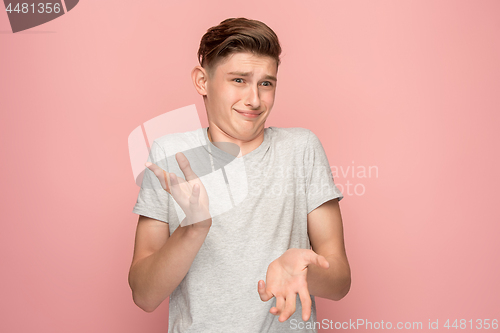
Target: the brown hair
pixel 237 35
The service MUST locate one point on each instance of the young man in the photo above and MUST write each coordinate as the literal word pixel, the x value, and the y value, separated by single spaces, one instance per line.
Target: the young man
pixel 249 267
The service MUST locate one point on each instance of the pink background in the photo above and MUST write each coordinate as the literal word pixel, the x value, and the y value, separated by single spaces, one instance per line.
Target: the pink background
pixel 409 87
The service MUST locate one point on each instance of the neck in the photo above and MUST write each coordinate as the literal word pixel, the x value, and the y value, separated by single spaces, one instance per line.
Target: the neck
pixel 216 135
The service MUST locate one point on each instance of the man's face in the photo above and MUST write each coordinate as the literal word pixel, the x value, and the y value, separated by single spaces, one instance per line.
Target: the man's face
pixel 240 94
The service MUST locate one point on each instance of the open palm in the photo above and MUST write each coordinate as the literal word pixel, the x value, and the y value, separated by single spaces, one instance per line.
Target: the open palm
pixel 190 193
pixel 286 277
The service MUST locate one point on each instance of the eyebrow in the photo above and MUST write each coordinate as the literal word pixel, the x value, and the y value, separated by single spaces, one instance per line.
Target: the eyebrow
pixel 267 77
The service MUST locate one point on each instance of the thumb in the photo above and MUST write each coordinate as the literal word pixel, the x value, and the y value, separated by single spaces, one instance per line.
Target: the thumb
pixel 322 262
pixel 317 259
pixel 265 295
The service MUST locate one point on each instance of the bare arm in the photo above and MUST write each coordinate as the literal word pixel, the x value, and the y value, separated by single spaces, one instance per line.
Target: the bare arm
pixel 161 261
pixel 325 230
pixel 323 271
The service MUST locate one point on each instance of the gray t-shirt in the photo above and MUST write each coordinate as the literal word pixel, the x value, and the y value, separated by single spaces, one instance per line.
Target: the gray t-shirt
pixel 259 204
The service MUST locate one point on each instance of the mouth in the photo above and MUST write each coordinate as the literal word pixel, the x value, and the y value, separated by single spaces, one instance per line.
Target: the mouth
pixel 249 114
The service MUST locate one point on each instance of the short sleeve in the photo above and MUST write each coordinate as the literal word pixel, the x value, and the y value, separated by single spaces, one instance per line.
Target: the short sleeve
pixel 320 186
pixel 153 201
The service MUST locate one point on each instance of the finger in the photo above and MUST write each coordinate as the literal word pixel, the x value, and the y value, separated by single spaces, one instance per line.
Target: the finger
pixel 305 300
pixel 174 184
pixel 185 166
pixel 159 173
pixel 181 190
pixel 264 294
pixel 166 181
pixel 280 305
pixel 195 195
pixel 289 307
pixel 322 262
pixel 316 259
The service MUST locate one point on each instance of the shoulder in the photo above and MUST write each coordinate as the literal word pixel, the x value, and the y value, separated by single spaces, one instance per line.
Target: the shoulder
pixel 175 142
pixel 290 133
pixel 297 136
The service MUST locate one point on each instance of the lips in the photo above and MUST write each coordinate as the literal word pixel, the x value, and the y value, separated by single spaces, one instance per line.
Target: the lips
pixel 249 114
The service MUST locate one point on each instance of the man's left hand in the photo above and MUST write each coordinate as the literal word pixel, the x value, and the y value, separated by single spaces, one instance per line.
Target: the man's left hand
pixel 286 277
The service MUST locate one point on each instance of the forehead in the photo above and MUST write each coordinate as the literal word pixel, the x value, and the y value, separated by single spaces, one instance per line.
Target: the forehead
pixel 249 63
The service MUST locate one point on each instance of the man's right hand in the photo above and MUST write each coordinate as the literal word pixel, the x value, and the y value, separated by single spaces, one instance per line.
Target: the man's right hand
pixel 189 193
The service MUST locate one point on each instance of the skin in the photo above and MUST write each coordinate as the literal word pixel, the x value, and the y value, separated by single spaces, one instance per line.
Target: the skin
pixel 321 271
pixel 224 93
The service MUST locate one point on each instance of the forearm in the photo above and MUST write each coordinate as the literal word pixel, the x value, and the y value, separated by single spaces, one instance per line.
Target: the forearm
pixel 332 283
pixel 154 278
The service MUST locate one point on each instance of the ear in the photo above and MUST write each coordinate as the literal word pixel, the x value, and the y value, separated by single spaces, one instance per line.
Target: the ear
pixel 200 77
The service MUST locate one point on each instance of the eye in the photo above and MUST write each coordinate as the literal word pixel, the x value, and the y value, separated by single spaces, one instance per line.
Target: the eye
pixel 267 84
pixel 241 80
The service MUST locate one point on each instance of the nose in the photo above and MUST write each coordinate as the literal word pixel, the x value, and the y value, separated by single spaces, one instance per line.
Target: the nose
pixel 252 99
